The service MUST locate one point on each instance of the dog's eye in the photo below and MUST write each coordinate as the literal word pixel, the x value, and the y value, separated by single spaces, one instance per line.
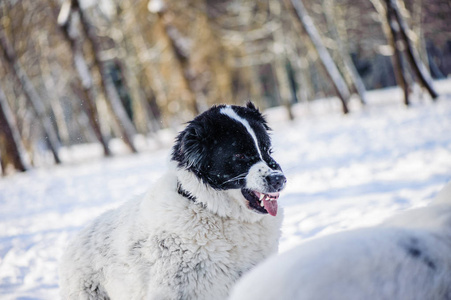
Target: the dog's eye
pixel 267 150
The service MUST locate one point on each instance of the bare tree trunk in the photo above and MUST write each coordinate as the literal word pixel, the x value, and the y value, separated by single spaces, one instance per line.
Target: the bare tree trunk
pixel 143 122
pixel 13 148
pixel 349 67
pixel 282 85
pixel 400 71
pixel 416 17
pixel 31 95
pixel 150 84
pixel 124 122
pixel 300 66
pixel 49 83
pixel 126 61
pixel 180 54
pixel 389 29
pixel 412 56
pixel 280 60
pixel 79 62
pixel 298 9
pixel 122 119
pixel 81 116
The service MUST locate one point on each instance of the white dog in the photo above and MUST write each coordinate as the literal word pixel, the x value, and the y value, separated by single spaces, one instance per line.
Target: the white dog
pixel 202 225
pixel 407 258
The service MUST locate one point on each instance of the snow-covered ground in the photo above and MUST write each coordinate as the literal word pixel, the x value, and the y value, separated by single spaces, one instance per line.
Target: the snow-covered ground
pixel 343 172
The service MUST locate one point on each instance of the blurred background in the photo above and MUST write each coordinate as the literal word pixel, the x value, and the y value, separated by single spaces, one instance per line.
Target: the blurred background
pixel 349 88
pixel 90 72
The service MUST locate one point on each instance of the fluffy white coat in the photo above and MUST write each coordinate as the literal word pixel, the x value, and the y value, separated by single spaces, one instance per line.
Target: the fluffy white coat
pixel 408 257
pixel 165 246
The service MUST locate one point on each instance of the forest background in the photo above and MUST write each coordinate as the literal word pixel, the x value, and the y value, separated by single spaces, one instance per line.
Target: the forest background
pixel 75 72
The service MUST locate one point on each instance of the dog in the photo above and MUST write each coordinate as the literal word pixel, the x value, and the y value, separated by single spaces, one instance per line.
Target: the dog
pixel 211 218
pixel 407 257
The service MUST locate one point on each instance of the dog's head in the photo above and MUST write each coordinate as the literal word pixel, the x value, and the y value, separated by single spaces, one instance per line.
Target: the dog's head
pixel 228 148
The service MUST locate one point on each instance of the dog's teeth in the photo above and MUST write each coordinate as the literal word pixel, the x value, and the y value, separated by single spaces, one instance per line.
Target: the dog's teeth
pixel 261 196
pixel 261 204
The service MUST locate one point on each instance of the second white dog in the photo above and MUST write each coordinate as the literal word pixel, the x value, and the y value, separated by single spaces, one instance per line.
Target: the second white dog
pixel 407 258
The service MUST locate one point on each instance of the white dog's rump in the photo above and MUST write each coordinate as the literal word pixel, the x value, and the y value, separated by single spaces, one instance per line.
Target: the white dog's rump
pixel 408 257
pixel 193 235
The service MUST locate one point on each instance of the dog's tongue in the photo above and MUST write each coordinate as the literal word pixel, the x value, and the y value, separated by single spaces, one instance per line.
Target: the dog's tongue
pixel 270 206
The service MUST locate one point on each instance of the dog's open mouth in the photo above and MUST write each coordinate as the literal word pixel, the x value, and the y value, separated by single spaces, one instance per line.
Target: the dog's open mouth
pixel 260 202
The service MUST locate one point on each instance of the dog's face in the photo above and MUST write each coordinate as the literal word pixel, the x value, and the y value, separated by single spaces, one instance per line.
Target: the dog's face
pixel 228 147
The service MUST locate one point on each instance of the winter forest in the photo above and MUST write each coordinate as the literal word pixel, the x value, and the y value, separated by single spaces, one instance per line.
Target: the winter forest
pixel 76 72
pixel 92 94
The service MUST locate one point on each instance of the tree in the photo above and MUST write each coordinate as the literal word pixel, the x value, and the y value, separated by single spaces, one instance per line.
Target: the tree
pixel 348 65
pixel 396 29
pixel 86 80
pixel 280 60
pixel 178 48
pixel 393 38
pixel 415 63
pixel 299 11
pixel 13 149
pixel 31 95
pixel 123 121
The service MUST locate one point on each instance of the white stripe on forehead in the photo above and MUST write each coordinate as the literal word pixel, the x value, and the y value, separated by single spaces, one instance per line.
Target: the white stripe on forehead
pixel 228 111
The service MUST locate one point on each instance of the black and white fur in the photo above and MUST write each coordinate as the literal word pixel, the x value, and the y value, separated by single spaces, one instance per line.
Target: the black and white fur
pixel 199 228
pixel 407 257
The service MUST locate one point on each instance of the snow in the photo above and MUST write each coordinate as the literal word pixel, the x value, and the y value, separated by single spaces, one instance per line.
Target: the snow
pixel 343 172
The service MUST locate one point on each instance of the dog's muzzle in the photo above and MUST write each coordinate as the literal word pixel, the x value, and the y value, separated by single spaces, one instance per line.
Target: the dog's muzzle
pixel 263 185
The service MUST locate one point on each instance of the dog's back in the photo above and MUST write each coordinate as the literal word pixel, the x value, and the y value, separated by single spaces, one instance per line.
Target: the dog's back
pixel 408 257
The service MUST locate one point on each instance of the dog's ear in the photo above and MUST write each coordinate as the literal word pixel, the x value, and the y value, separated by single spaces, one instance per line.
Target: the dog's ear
pixel 251 105
pixel 189 147
pixel 255 112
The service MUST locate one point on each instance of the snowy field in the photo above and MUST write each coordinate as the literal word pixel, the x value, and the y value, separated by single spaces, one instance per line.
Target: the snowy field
pixel 343 172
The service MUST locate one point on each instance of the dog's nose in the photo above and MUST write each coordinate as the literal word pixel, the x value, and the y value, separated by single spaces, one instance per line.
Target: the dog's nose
pixel 276 181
